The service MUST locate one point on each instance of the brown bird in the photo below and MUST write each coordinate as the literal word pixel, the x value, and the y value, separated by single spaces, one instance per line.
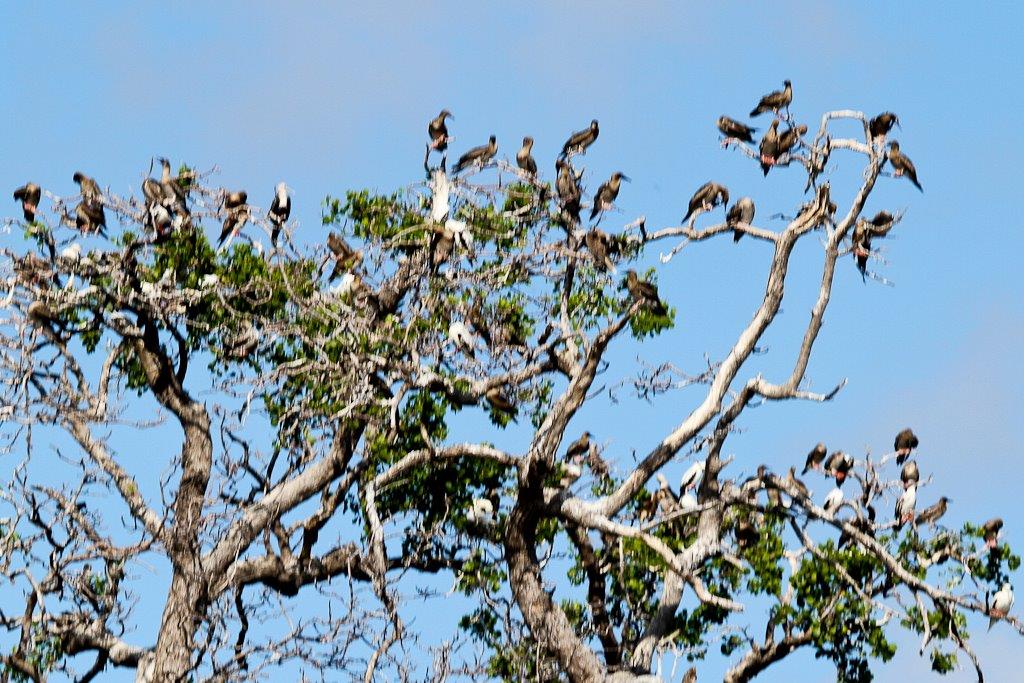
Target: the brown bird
pixel 815 457
pixel 478 156
pixel 734 130
pixel 740 212
pixel 910 475
pixel 769 146
pixel 882 124
pixel 579 447
pixel 524 157
pixel 29 195
pixel 789 138
pixel 598 244
pixel 707 196
pixel 881 220
pixel 861 243
pixel 90 216
pixel 690 676
pixel 442 242
pixel 233 200
pixel 438 131
pixel 645 293
pixel 579 141
pixel 607 193
pixel 500 402
pixel 774 101
pixel 344 256
pixel 791 482
pixel 902 165
pixel 568 189
pixel 88 186
pixel 991 529
pixel 933 513
pixel 906 441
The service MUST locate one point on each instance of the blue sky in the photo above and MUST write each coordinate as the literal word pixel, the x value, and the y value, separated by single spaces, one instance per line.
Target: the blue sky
pixel 331 97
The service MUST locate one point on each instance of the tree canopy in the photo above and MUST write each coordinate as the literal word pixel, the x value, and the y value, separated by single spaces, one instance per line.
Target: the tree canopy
pixel 337 400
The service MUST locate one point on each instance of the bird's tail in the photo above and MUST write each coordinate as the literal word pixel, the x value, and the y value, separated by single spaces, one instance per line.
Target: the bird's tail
pixel 917 184
pixel 737 235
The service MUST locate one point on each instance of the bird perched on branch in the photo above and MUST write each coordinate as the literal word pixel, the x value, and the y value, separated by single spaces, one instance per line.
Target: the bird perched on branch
pixel 463 339
pixel 607 193
pixel 815 457
pixel 905 442
pixel 280 211
pixel 437 129
pixel 905 506
pixel 991 530
pixel 524 157
pixel 902 165
pixel 774 101
pixel 933 513
pixel 90 216
pixel 645 293
pixel 599 245
pixel 789 138
pixel 833 500
pixel 237 214
pixel 769 147
pixel 692 476
pixel 880 125
pixel 29 195
pixel 742 212
pixel 579 447
pixel 579 141
pixel 734 130
pixel 839 465
pixel 501 403
pixel 477 156
pixel 89 188
pixel 910 475
pixel 707 196
pixel 344 256
pixel 568 188
pixel 1000 603
pixel 790 481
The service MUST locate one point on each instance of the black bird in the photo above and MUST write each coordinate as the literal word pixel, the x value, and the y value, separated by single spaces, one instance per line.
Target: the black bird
pixel 568 189
pixel 746 534
pixel 910 475
pixel 438 131
pixel 906 441
pixel 580 140
pixel 524 157
pixel 280 211
pixel 478 155
pixel 775 101
pixel 815 457
pixel 607 193
pixel 599 245
pixel 902 165
pixel 88 186
pixel 882 124
pixel 707 196
pixel 644 292
pixel 740 212
pixel 865 525
pixel 734 130
pixel 29 195
pixel 770 146
pixel 579 447
pixel 90 217
pixel 344 256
